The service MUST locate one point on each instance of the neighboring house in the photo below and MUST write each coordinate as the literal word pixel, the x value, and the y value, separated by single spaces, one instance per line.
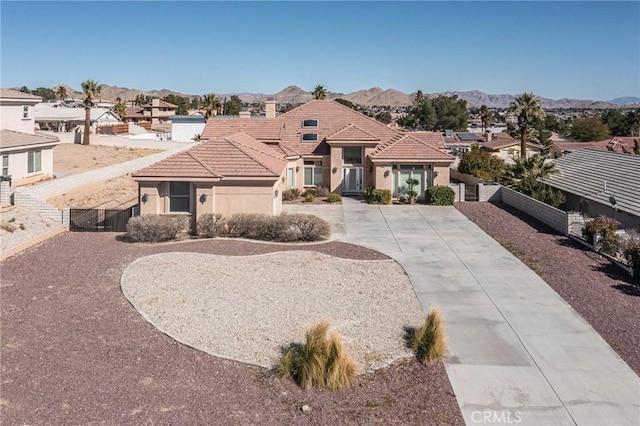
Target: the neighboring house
pixel 156 112
pixel 597 182
pixel 25 156
pixel 458 143
pixel 62 119
pixel 246 162
pixel 502 145
pixel 185 127
pixel 622 144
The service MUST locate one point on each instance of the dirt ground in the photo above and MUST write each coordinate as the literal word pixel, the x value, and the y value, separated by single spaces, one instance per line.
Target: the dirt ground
pixel 120 192
pixel 69 159
pixel 74 351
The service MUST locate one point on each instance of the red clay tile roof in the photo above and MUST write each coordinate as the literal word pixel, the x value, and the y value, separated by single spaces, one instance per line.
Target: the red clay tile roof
pixel 162 104
pixel 262 129
pixel 503 140
pixel 410 148
pixel 351 132
pixel 236 155
pixel 134 112
pixel 616 144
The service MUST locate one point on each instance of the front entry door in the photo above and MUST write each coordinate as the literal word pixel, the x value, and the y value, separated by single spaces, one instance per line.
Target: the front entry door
pixel 352 180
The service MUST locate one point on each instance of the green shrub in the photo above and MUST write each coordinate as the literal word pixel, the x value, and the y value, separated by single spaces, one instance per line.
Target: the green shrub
pixel 440 195
pixel 377 196
pixel 482 164
pixel 630 246
pixel 154 228
pixel 334 198
pixel 285 228
pixel 210 225
pixel 322 362
pixel 606 228
pixel 309 196
pixel 252 226
pixel 429 341
pixel 322 191
pixel 290 194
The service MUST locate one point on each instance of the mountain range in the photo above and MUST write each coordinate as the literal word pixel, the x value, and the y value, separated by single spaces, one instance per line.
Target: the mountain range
pixel 371 97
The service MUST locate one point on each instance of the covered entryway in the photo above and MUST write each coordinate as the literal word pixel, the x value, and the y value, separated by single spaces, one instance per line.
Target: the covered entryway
pixel 351 180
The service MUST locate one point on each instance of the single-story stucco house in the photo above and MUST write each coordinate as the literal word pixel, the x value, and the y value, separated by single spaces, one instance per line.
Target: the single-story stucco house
pixel 244 163
pixel 597 182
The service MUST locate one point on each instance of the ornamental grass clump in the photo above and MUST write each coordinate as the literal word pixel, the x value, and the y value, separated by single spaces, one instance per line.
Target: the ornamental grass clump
pixel 154 228
pixel 429 341
pixel 322 362
pixel 210 225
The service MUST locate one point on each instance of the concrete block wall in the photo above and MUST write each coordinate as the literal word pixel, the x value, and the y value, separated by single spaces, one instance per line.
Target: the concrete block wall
pixel 489 192
pixel 575 223
pixel 5 192
pixel 551 216
pixel 458 189
pixel 41 207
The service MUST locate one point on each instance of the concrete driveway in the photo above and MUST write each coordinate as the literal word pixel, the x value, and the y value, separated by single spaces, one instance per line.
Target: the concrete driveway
pixel 518 353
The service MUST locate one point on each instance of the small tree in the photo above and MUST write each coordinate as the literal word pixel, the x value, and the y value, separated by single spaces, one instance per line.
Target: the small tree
pixel 61 92
pixel 482 164
pixel 121 110
pixel 528 110
pixel 319 92
pixel 412 194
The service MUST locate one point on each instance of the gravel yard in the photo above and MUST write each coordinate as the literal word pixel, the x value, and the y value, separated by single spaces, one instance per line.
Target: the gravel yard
pixel 26 225
pixel 601 292
pixel 74 351
pixel 249 308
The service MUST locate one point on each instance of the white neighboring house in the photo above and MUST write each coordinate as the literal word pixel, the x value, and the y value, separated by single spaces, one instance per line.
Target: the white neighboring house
pixel 25 156
pixel 185 127
pixel 63 119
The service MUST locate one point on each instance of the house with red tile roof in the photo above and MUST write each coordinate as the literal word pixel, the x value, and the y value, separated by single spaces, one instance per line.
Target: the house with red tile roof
pixel 244 163
pixel 502 145
pixel 620 144
pixel 156 112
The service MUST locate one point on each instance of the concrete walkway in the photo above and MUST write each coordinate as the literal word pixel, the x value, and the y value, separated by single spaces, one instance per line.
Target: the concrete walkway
pixel 59 186
pixel 518 353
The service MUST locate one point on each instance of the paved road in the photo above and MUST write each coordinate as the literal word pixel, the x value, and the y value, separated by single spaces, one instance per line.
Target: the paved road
pixel 518 353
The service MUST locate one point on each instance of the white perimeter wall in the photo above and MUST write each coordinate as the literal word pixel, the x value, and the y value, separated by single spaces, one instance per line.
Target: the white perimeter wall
pixel 184 132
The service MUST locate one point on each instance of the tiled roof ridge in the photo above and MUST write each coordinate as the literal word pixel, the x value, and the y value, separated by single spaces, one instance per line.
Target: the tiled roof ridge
pixel 385 146
pixel 245 147
pixel 191 154
pixel 355 126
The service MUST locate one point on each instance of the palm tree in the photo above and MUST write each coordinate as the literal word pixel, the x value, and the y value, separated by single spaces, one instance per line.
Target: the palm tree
pixel 210 103
pixel 528 109
pixel 319 92
pixel 90 89
pixel 121 110
pixel 485 117
pixel 527 174
pixel 61 92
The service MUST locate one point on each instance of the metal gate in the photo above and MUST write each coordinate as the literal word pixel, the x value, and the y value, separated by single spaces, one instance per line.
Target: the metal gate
pixel 100 220
pixel 471 192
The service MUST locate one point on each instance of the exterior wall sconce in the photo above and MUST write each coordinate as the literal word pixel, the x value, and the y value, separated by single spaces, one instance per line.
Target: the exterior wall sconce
pixel 297 169
pixel 435 173
pixel 334 170
pixel 144 198
pixel 282 179
pixel 276 192
pixel 203 198
pixel 386 173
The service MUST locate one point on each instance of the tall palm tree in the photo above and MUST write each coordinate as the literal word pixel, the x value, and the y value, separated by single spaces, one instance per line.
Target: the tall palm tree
pixel 528 109
pixel 527 174
pixel 485 117
pixel 120 109
pixel 209 104
pixel 91 89
pixel 319 92
pixel 61 92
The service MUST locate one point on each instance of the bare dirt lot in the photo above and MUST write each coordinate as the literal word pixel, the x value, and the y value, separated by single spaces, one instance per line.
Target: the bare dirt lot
pixel 74 351
pixel 121 192
pixel 602 293
pixel 70 158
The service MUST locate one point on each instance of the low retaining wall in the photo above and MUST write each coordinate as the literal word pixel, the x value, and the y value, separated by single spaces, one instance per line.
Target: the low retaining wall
pixel 551 216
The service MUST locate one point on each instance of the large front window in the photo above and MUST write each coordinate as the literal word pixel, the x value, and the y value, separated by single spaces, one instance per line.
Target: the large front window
pixel 352 155
pixel 179 197
pixel 34 159
pixel 312 173
pixel 402 172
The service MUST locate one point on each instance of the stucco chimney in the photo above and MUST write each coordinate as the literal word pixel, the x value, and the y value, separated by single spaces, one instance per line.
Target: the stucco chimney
pixel 155 102
pixel 270 109
pixel 245 114
pixel 488 136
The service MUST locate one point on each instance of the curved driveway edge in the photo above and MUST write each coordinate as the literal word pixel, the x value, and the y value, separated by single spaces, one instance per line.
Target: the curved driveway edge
pixel 518 353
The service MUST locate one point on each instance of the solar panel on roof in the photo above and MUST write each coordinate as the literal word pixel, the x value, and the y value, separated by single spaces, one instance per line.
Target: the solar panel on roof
pixel 448 133
pixel 467 136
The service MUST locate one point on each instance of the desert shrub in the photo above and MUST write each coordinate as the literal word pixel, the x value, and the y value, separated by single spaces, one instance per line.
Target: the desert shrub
pixel 334 198
pixel 377 196
pixel 630 246
pixel 300 227
pixel 154 228
pixel 322 191
pixel 606 228
pixel 429 341
pixel 322 362
pixel 309 196
pixel 440 195
pixel 482 164
pixel 290 194
pixel 9 227
pixel 210 225
pixel 253 226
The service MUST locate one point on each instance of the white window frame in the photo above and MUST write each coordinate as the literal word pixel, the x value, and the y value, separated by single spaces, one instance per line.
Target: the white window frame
pixel 25 111
pixel 181 196
pixel 315 165
pixel 291 177
pixel 361 156
pixel 34 161
pixel 304 126
pixel 308 140
pixel 5 165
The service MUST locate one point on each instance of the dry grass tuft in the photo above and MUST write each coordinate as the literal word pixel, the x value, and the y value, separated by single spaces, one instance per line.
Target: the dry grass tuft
pixel 322 362
pixel 429 341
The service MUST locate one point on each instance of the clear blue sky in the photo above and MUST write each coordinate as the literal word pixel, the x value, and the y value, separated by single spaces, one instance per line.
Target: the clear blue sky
pixel 585 50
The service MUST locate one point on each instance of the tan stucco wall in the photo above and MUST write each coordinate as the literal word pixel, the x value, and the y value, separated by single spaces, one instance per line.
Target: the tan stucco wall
pixel 18 167
pixel 380 181
pixel 335 162
pixel 443 174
